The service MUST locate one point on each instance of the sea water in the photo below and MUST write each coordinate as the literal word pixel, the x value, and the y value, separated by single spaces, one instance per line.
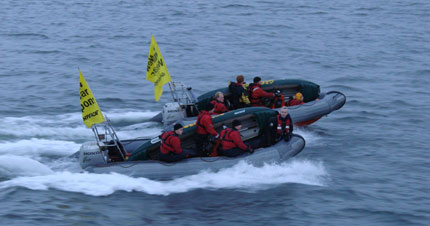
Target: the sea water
pixel 365 164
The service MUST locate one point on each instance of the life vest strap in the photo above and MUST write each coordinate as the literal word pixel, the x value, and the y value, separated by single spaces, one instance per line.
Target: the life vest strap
pixel 163 141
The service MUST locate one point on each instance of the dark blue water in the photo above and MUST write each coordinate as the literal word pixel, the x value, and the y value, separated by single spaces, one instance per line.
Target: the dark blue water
pixel 366 164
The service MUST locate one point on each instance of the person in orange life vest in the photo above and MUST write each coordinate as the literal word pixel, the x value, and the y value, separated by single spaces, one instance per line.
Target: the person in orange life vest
pixel 205 129
pixel 297 100
pixel 257 93
pixel 231 142
pixel 218 103
pixel 281 126
pixel 170 148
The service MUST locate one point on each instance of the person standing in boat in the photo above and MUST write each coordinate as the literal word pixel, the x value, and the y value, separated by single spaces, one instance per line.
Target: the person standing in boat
pixel 170 148
pixel 256 93
pixel 281 126
pixel 238 98
pixel 231 141
pixel 298 100
pixel 219 106
pixel 205 129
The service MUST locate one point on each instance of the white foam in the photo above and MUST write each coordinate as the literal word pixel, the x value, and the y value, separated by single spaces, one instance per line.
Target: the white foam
pixel 39 147
pixel 21 128
pixel 12 166
pixel 129 115
pixel 242 176
pixel 66 125
pixel 69 164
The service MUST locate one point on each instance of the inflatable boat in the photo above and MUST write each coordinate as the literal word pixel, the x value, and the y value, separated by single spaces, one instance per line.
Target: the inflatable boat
pixel 316 105
pixel 142 154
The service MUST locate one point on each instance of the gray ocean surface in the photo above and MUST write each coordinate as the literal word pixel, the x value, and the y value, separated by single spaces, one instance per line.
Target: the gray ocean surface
pixel 366 164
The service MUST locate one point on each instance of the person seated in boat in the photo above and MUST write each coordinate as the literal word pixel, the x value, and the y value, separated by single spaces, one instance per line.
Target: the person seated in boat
pixel 218 102
pixel 170 148
pixel 238 97
pixel 281 126
pixel 205 129
pixel 298 100
pixel 257 94
pixel 231 142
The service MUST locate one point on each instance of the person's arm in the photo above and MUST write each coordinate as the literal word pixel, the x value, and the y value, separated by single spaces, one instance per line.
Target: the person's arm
pixel 235 136
pixel 292 102
pixel 176 143
pixel 262 93
pixel 220 108
pixel 209 126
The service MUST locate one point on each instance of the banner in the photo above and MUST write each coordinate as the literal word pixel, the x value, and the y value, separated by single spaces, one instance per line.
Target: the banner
pixel 91 113
pixel 156 70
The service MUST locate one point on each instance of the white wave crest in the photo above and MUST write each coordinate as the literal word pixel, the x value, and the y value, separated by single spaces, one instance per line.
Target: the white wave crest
pixel 31 130
pixel 130 116
pixel 12 166
pixel 242 176
pixel 39 147
pixel 64 126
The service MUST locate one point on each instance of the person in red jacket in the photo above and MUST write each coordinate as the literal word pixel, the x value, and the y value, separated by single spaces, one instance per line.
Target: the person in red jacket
pixel 170 148
pixel 218 103
pixel 205 129
pixel 281 126
pixel 231 142
pixel 257 93
pixel 297 100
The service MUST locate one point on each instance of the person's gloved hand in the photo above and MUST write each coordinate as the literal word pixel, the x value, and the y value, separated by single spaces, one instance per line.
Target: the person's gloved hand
pixel 217 136
pixel 250 149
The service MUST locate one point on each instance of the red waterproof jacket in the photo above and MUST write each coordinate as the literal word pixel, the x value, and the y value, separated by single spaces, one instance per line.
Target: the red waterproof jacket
pixel 279 125
pixel 230 138
pixel 204 124
pixel 170 142
pixel 295 102
pixel 257 94
pixel 219 107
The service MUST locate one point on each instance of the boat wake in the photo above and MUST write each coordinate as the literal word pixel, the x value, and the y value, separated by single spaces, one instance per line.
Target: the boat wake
pixel 69 126
pixel 36 156
pixel 13 166
pixel 39 148
pixel 242 176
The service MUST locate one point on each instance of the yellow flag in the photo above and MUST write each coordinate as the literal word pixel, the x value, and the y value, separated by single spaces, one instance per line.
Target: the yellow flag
pixel 91 113
pixel 156 70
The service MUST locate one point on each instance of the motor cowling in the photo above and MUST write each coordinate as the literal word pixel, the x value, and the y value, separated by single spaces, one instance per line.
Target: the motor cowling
pixel 90 155
pixel 172 112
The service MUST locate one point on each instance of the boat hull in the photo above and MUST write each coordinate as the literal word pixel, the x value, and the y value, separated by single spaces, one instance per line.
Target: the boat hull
pixel 302 115
pixel 161 170
pixel 308 113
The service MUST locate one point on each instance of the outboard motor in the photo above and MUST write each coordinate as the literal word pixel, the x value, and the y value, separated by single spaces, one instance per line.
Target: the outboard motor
pixel 90 155
pixel 172 112
pixel 183 105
